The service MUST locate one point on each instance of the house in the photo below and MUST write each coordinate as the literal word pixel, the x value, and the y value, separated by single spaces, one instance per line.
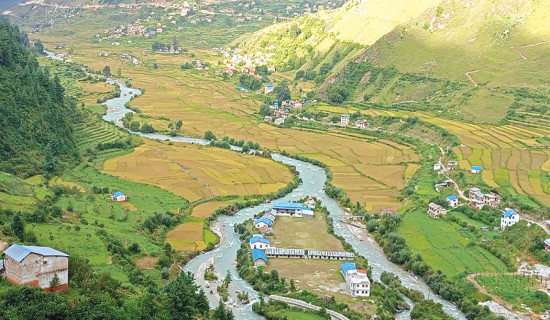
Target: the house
pixel 279 121
pixel 260 222
pixel 285 253
pixel 269 88
pixel 434 210
pixel 268 119
pixel 119 197
pixel 437 166
pixel 362 124
pixel 36 266
pixel 477 204
pixel 508 218
pixel 546 246
pixel 453 201
pixel 297 104
pixel 357 281
pixel 452 164
pixel 493 199
pixel 388 211
pixel 259 243
pixel 476 169
pixel 265 229
pixel 330 255
pixel 259 257
pixel 476 194
pixel 344 119
pixel 291 209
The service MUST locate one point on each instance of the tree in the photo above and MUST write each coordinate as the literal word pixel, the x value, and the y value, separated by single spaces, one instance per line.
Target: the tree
pixel 39 47
pixel 54 283
pixel 221 313
pixel 337 94
pixel 264 110
pixel 282 92
pixel 209 135
pixel 134 126
pixel 18 226
pixel 106 71
pixel 183 299
pixel 179 123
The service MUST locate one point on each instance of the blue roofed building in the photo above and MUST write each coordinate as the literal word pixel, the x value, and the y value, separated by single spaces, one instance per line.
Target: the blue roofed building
pixel 119 196
pixel 291 209
pixel 477 169
pixel 344 119
pixel 453 201
pixel 508 218
pixel 269 88
pixel 259 257
pixel 259 243
pixel 357 280
pixel 260 222
pixel 36 266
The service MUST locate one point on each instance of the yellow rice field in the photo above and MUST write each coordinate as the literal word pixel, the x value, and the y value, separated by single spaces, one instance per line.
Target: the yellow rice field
pixel 186 169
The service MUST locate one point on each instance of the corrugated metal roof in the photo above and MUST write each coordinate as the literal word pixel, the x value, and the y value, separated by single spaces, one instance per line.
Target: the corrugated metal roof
pixel 287 205
pixel 259 239
pixel 264 220
pixel 118 193
pixel 452 197
pixel 509 213
pixel 18 252
pixel 258 254
pixel 348 266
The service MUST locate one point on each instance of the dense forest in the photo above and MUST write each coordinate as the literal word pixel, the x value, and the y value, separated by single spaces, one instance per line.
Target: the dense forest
pixel 36 135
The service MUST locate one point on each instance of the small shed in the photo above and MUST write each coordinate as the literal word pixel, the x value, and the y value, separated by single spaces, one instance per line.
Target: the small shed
pixel 118 196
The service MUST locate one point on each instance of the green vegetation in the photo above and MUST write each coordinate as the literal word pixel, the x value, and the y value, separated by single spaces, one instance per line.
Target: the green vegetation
pixel 517 290
pixel 37 135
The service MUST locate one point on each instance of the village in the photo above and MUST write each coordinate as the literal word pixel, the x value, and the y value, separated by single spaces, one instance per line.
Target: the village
pixel 262 251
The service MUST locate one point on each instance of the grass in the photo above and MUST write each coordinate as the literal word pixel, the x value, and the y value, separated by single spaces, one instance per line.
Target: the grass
pixel 304 234
pixel 300 315
pixel 516 290
pixel 444 248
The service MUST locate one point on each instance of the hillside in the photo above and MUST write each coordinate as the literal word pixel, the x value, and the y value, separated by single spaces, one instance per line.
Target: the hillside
pixel 36 127
pixel 449 56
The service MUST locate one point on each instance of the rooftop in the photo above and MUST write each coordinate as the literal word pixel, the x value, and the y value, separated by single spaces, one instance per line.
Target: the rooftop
pixel 476 168
pixel 259 239
pixel 348 266
pixel 258 254
pixel 287 205
pixel 264 220
pixel 118 193
pixel 18 252
pixel 452 197
pixel 509 213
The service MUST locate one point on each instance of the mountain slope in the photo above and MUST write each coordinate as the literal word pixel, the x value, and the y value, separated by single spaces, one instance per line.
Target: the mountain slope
pixel 36 128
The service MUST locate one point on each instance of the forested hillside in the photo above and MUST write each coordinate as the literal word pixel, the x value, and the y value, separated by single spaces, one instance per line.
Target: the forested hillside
pixel 36 134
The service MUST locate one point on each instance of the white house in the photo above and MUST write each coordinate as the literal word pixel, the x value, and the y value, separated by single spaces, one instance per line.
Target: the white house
pixel 508 218
pixel 259 243
pixel 357 281
pixel 361 124
pixel 547 245
pixel 437 166
pixel 36 266
pixel 260 222
pixel 453 201
pixel 279 121
pixel 119 196
pixel 434 210
pixel 269 88
pixel 476 169
pixel 344 119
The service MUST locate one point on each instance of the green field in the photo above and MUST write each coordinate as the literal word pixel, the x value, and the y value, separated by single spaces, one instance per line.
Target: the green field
pixel 300 315
pixel 516 290
pixel 444 248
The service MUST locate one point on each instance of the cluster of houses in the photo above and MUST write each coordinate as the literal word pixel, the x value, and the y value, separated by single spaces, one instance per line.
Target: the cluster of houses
pixel 126 55
pixel 236 60
pixel 359 124
pixel 357 280
pixel 478 199
pixel 35 266
pixel 283 110
pixel 261 249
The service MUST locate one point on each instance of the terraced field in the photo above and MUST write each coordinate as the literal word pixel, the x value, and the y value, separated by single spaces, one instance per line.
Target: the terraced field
pixel 510 155
pixel 94 131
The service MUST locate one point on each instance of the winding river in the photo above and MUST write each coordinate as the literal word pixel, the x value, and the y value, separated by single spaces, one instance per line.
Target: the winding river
pixel 224 256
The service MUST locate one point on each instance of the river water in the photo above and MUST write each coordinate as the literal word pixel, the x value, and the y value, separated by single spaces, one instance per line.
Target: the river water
pixel 224 256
